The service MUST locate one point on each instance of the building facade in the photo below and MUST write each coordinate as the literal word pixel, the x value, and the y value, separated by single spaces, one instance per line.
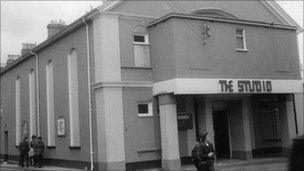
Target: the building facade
pixel 136 82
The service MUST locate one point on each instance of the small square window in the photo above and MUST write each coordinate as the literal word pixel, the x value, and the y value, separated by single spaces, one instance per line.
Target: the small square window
pixel 144 109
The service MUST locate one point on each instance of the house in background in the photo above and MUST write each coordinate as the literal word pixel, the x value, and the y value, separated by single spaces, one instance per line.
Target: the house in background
pixel 135 82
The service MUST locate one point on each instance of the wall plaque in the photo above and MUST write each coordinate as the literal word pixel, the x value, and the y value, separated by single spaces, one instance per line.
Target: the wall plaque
pixel 61 127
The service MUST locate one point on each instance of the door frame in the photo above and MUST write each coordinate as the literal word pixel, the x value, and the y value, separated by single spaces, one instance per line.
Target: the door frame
pixel 228 125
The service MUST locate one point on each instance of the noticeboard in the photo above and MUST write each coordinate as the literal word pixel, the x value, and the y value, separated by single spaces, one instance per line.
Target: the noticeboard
pixel 184 121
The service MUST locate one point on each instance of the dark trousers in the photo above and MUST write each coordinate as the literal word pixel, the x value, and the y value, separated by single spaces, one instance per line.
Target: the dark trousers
pixel 23 157
pixel 203 167
pixel 33 160
pixel 38 160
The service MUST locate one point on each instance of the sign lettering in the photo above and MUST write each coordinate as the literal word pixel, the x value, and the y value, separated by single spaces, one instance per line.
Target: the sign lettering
pixel 245 86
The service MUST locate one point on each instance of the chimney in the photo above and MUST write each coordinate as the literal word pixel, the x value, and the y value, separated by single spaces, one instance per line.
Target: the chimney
pixel 11 58
pixel 54 27
pixel 26 47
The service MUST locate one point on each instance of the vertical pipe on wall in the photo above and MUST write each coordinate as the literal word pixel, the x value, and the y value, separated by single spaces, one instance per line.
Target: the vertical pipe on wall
pixel 89 92
pixel 37 92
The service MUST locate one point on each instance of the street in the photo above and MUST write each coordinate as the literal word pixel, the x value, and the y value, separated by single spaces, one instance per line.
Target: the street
pixel 264 164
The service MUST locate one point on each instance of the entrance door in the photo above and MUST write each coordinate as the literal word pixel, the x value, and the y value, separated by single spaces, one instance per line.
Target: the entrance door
pixel 5 145
pixel 221 138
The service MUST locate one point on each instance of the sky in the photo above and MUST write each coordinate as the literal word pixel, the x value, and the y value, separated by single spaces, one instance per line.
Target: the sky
pixel 26 21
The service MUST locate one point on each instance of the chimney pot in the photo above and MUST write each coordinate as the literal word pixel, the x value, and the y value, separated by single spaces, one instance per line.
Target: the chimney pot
pixel 54 27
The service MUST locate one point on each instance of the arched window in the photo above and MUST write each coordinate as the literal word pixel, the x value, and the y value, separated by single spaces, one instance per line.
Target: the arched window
pixel 32 103
pixel 73 98
pixel 218 13
pixel 50 103
pixel 17 110
pixel 141 46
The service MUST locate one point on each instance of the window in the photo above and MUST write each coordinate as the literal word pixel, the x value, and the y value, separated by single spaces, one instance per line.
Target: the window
pixel 17 110
pixel 141 47
pixel 50 104
pixel 241 40
pixel 32 106
pixel 73 99
pixel 145 109
pixel 141 39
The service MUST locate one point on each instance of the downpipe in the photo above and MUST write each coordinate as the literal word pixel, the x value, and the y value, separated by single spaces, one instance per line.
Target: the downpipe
pixel 89 91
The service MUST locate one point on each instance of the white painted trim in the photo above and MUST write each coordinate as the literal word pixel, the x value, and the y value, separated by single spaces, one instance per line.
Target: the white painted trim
pixel 212 86
pixel 120 84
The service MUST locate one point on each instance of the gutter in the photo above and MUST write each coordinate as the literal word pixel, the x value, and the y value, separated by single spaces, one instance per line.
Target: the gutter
pixel 89 91
pixel 223 20
pixel 37 92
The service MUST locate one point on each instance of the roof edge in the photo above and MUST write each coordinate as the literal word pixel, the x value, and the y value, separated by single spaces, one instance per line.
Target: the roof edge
pixel 276 10
pixel 237 21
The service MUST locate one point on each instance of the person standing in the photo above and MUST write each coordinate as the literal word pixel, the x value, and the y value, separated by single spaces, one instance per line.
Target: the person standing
pixel 204 154
pixel 23 150
pixel 39 146
pixel 32 151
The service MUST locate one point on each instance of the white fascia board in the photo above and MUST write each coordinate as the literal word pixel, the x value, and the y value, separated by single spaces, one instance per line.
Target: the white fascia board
pixel 213 86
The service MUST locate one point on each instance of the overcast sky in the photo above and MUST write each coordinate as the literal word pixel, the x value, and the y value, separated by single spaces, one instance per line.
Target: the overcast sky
pixel 26 21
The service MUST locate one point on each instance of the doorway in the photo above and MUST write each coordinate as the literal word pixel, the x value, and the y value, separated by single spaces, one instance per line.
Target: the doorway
pixel 5 145
pixel 221 134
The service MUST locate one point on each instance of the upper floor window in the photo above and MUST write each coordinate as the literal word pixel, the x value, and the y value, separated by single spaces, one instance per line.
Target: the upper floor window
pixel 241 40
pixel 141 47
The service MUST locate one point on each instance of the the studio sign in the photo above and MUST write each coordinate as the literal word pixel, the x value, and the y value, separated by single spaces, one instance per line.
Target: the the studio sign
pixel 245 86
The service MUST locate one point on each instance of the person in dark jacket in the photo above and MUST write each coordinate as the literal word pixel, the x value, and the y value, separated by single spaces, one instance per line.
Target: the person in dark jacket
pixel 23 150
pixel 32 154
pixel 204 154
pixel 39 151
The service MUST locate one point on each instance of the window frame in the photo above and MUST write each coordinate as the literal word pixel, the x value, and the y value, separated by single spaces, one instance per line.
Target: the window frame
pixel 150 109
pixel 243 36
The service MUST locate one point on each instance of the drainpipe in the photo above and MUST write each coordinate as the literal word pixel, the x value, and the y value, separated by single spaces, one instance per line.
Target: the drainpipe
pixel 89 91
pixel 37 91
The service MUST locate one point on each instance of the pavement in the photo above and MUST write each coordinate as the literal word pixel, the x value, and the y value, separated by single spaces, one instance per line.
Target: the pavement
pixel 262 164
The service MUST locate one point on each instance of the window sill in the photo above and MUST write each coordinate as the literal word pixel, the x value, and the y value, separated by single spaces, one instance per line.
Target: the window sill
pixel 138 43
pixel 242 50
pixel 136 67
pixel 145 116
pixel 74 147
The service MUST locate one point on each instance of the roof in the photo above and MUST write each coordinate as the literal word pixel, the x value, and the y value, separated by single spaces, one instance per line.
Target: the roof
pixel 108 5
pixel 225 20
pixel 271 5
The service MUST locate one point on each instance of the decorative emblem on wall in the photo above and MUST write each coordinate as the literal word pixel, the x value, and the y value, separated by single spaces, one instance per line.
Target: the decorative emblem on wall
pixel 205 32
pixel 61 126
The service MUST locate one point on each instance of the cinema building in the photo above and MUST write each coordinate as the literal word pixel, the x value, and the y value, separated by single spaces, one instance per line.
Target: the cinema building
pixel 136 82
